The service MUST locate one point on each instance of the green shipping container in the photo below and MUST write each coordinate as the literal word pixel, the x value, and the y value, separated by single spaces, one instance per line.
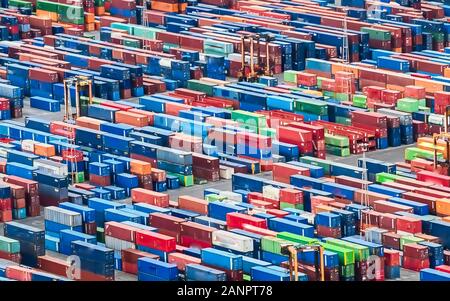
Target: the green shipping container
pixel 412 153
pixel 215 198
pixel 343 120
pixel 337 151
pixel 297 238
pixel 249 119
pixel 9 245
pixel 342 97
pixel 47 6
pixel 346 255
pixel 290 76
pixel 273 244
pixel 317 162
pixel 408 105
pixel 19 3
pixel 385 177
pixel 337 140
pixel 268 132
pixel 377 34
pixel 361 252
pixel 201 86
pixel 284 205
pixel 347 270
pixel 123 26
pixel 409 240
pixel 185 180
pixel 311 106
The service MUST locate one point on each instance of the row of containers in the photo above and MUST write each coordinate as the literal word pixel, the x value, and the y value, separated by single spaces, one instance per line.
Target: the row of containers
pixel 363 226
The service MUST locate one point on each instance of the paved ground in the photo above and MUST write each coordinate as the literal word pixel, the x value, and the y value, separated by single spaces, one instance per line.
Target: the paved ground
pixel 391 154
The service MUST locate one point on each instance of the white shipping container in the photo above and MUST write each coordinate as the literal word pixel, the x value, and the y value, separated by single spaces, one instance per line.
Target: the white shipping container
pixel 232 241
pixel 309 216
pixel 63 216
pixel 375 235
pixel 225 172
pixel 28 145
pixel 118 244
pixel 271 192
pixel 51 167
pixel 233 196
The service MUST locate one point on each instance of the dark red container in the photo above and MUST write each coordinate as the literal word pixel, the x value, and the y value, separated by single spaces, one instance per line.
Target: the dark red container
pixel 325 231
pixel 120 231
pixel 391 240
pixel 99 180
pixel 409 224
pixel 53 265
pixel 388 221
pixel 197 231
pixel 14 257
pixel 90 228
pixel 415 251
pixel 165 222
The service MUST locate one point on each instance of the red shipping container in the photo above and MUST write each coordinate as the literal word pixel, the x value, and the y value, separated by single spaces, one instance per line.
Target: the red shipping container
pixel 409 224
pixel 155 241
pixel 317 200
pixel 389 207
pixel 194 204
pixel 14 257
pixel 443 268
pixel 120 231
pixel 415 264
pixel 100 180
pixel 415 251
pixel 424 199
pixel 325 231
pixel 259 230
pixel 318 132
pixel 140 195
pixel 306 79
pixel 391 257
pixel 352 182
pixel 388 221
pixel 415 92
pixel 190 242
pixel 277 212
pixel 427 237
pixel 293 135
pixel 400 186
pixel 282 172
pixel 434 178
pixel 181 260
pixel 165 222
pixel 43 75
pixel 54 265
pixel 291 196
pixel 19 273
pixel 197 231
pixel 90 228
pixel 391 240
pixel 261 204
pixel 238 220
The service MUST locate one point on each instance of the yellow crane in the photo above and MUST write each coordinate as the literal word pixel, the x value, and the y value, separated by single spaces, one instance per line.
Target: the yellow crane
pixel 79 83
pixel 292 250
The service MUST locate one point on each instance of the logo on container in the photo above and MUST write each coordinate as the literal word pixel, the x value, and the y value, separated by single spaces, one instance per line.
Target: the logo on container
pixel 374 268
pixel 72 12
pixel 74 270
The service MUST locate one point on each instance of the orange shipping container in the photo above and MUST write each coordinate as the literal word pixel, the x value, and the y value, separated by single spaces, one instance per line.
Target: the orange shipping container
pixel 443 207
pixel 138 167
pixel 45 150
pixel 131 119
pixel 194 204
pixel 149 115
pixel 141 195
pixel 90 123
pixel 167 7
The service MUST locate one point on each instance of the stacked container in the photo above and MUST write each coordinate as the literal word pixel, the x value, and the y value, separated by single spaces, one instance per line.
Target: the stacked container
pixel 328 225
pixel 32 241
pixel 10 249
pixel 415 257
pixel 31 194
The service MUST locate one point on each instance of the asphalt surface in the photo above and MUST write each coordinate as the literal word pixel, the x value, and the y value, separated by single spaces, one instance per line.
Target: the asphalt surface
pixel 390 154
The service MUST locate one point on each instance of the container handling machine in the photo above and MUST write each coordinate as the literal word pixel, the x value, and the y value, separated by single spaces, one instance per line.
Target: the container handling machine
pixel 442 166
pixel 250 72
pixel 292 250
